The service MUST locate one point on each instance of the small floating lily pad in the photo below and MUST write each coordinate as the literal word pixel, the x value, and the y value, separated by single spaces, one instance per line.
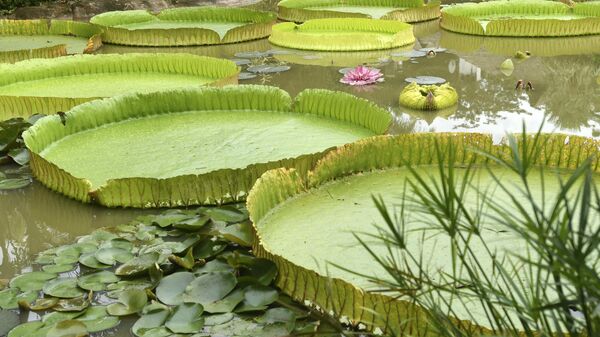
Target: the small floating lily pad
pixel 111 256
pixel 68 328
pixel 186 318
pixel 172 288
pixel 97 281
pixel 130 302
pixel 137 265
pixel 409 54
pixel 209 287
pixel 63 288
pixel 246 76
pixel 425 80
pixel 268 69
pixel 31 281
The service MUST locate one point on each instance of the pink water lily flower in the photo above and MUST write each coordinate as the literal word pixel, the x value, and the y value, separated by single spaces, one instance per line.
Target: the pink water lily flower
pixel 362 75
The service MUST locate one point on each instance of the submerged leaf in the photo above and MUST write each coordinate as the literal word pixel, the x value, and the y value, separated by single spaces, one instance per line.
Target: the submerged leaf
pixel 14 183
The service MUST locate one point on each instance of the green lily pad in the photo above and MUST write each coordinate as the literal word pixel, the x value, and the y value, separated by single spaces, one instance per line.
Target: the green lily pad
pixel 97 281
pixel 210 287
pixel 208 248
pixel 31 281
pixel 117 243
pixel 192 224
pixel 29 329
pixel 97 319
pixel 279 315
pixel 130 302
pixel 8 320
pixel 89 260
pixel 150 321
pixel 58 268
pixel 186 262
pixel 69 328
pixel 63 288
pixel 226 213
pixel 172 288
pixel 218 319
pixel 19 155
pixel 186 318
pixel 214 266
pixel 111 256
pixel 240 233
pixel 14 183
pixel 226 304
pixel 55 317
pixel 137 265
pixel 170 217
pixel 268 69
pixel 259 296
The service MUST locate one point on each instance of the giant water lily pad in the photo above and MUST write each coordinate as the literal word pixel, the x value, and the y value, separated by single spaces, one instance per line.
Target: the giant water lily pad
pixel 25 39
pixel 184 26
pixel 194 146
pixel 529 18
pixel 401 10
pixel 52 85
pixel 342 35
pixel 306 223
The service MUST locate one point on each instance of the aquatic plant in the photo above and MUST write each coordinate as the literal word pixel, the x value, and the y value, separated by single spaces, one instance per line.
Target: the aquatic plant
pixel 184 26
pixel 375 286
pixel 428 97
pixel 25 39
pixel 523 18
pixel 362 75
pixel 400 10
pixel 342 35
pixel 48 86
pixel 209 145
pixel 180 271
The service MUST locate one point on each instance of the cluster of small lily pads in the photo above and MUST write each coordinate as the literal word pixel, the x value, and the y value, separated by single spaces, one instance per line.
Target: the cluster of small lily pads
pixel 13 151
pixel 182 273
pixel 260 63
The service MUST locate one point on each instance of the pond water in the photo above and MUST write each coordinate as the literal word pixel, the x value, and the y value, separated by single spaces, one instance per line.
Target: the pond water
pixel 564 72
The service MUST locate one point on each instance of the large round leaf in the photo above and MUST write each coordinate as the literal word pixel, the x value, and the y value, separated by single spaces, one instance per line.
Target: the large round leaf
pixel 342 34
pixel 308 223
pixel 300 11
pixel 216 123
pixel 171 289
pixel 184 26
pixel 24 86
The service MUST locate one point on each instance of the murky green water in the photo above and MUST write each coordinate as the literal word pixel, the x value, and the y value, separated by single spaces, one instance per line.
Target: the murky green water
pixel 565 74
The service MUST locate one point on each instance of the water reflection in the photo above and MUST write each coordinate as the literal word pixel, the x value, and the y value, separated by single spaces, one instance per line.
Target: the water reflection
pixel 34 218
